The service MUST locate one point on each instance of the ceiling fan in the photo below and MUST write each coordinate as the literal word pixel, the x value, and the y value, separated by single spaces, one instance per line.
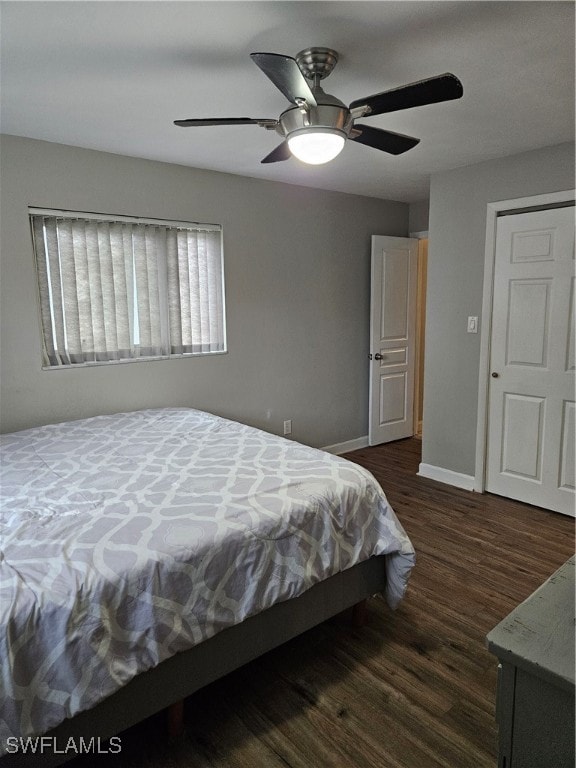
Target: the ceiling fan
pixel 316 125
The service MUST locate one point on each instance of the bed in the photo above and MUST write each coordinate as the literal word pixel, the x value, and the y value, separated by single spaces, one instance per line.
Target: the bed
pixel 146 554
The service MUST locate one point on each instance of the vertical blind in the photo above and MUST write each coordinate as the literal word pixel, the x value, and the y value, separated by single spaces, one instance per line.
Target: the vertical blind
pixel 119 289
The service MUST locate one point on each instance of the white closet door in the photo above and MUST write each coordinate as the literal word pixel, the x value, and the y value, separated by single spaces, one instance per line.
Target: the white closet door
pixel 531 393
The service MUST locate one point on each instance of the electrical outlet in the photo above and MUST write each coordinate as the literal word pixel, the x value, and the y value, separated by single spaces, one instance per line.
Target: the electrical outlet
pixel 288 427
pixel 472 325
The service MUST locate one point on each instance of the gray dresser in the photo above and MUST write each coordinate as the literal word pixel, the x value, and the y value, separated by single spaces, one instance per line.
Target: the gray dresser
pixel 535 697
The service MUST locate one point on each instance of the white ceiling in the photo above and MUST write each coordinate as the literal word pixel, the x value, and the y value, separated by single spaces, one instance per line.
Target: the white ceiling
pixel 113 76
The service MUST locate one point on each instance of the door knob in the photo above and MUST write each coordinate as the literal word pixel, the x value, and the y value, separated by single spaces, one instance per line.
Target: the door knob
pixel 495 375
pixel 378 356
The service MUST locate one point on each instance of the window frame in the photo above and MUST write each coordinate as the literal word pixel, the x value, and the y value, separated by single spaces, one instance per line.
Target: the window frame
pixel 162 266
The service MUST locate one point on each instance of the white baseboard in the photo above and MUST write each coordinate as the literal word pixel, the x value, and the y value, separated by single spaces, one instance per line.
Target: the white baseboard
pixel 447 476
pixel 346 447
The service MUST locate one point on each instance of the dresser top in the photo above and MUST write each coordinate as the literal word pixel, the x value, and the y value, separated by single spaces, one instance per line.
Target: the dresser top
pixel 539 634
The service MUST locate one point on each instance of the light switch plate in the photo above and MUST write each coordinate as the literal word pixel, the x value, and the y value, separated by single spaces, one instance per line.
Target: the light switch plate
pixel 472 324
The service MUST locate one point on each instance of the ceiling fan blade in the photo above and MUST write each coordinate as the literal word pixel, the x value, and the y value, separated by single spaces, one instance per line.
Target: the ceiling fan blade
pixel 194 122
pixel 387 141
pixel 434 89
pixel 282 152
pixel 286 76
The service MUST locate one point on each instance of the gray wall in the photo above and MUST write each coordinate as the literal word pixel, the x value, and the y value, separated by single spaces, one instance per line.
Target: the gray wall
pixel 418 216
pixel 297 268
pixel 458 201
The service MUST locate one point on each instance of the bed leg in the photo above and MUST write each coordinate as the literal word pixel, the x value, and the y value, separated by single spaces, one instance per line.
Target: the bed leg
pixel 359 612
pixel 175 714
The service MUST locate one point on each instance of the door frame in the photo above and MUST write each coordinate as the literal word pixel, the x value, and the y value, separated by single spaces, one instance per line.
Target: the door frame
pixel 494 210
pixel 420 321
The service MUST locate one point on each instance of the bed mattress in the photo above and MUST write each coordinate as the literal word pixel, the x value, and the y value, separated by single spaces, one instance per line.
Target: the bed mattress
pixel 128 538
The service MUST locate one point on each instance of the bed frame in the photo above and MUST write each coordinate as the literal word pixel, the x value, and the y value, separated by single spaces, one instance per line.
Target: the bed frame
pixel 181 675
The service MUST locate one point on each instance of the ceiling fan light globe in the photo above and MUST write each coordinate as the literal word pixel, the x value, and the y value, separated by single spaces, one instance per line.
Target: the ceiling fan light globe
pixel 316 146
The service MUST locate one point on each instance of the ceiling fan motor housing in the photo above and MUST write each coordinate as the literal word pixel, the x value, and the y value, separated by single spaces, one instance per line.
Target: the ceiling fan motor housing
pixel 330 114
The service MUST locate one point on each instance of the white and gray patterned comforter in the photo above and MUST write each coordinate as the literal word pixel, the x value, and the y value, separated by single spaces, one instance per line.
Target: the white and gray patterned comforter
pixel 128 538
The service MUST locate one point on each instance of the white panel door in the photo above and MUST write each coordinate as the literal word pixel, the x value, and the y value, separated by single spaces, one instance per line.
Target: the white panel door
pixel 531 394
pixel 392 338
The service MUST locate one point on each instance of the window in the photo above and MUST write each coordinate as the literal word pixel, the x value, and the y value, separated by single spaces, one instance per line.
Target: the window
pixel 115 288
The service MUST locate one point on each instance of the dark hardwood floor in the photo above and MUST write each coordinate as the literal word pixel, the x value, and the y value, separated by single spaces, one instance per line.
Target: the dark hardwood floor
pixel 414 688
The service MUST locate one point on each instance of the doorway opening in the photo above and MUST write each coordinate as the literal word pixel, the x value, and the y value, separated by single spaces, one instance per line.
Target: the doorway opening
pixel 397 338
